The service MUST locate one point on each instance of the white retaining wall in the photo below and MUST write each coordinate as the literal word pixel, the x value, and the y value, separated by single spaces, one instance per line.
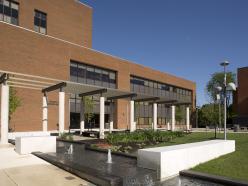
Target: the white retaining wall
pixel 168 161
pixel 13 135
pixel 27 145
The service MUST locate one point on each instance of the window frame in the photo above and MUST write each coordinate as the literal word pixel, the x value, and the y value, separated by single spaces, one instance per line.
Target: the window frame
pixel 40 13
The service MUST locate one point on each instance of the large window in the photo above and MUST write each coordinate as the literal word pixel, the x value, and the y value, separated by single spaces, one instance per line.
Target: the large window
pixel 40 22
pixel 150 87
pixel 9 11
pixel 83 73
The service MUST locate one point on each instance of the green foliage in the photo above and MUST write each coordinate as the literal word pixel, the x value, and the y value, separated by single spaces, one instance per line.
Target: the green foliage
pixel 142 136
pixel 66 136
pixel 217 79
pixel 14 102
pixel 88 106
pixel 208 115
pixel 179 114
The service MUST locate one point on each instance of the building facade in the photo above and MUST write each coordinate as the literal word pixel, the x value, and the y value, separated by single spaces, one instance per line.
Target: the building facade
pixel 241 97
pixel 43 38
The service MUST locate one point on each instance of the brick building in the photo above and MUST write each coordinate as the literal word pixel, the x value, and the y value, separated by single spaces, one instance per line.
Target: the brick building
pixel 43 38
pixel 241 97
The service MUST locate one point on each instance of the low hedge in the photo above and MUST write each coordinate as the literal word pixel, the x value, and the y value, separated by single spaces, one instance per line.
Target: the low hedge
pixel 143 136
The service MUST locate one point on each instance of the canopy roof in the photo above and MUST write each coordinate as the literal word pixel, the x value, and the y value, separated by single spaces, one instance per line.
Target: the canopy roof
pixel 45 85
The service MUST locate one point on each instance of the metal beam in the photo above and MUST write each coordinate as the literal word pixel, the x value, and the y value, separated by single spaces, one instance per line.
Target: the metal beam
pixel 4 77
pixel 169 102
pixel 122 96
pixel 99 91
pixel 54 87
pixel 183 103
pixel 147 99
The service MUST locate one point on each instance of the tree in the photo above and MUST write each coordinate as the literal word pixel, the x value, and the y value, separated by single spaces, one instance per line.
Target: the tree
pixel 217 79
pixel 14 102
pixel 179 114
pixel 89 107
pixel 208 115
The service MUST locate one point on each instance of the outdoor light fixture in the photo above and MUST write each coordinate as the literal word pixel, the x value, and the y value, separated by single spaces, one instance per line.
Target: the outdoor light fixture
pixel 231 86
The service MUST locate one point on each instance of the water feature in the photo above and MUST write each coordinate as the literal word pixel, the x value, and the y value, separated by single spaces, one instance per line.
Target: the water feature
pixel 109 156
pixel 123 171
pixel 70 150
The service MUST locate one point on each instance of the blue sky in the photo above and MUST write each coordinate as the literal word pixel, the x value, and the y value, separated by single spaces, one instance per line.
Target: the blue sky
pixel 187 38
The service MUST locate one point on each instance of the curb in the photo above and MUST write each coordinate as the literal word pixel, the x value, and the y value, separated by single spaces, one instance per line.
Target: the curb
pixel 213 178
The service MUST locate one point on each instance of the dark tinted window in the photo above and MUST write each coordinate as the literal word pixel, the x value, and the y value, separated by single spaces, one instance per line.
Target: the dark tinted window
pixel 89 74
pixel 9 11
pixel 40 22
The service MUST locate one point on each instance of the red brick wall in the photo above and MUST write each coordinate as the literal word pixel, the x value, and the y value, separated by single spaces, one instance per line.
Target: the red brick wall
pixel 31 53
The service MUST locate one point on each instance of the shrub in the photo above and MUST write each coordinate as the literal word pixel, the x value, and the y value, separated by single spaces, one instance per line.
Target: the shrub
pixel 66 136
pixel 142 136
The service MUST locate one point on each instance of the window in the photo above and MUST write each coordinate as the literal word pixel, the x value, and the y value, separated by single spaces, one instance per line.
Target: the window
pixel 9 11
pixel 40 22
pixel 89 74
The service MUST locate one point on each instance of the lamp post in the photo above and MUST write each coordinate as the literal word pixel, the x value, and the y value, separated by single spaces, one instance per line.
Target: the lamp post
pixel 224 64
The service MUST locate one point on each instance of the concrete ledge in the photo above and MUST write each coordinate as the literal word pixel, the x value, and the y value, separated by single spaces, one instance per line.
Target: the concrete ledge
pixel 27 145
pixel 169 161
pixel 13 135
pixel 213 178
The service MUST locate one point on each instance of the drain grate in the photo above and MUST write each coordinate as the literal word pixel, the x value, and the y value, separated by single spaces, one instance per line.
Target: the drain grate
pixel 70 178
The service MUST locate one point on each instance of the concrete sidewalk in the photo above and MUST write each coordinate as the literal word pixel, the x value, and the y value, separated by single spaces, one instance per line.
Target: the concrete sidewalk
pixel 29 170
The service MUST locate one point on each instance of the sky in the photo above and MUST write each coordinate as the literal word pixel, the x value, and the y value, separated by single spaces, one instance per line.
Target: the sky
pixel 186 38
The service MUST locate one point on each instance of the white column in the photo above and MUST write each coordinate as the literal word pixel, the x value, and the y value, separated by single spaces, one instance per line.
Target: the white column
pixel 4 114
pixel 173 119
pixel 102 113
pixel 132 123
pixel 187 118
pixel 82 105
pixel 61 112
pixel 111 118
pixel 155 116
pixel 44 113
pixel 168 125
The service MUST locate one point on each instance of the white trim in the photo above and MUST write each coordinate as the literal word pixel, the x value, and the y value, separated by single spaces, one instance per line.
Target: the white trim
pixel 29 80
pixel 77 1
pixel 27 84
pixel 17 86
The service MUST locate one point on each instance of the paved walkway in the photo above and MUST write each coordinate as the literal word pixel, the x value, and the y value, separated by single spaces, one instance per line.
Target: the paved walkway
pixel 29 170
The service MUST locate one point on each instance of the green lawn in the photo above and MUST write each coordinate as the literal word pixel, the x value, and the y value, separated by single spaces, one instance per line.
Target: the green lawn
pixel 234 165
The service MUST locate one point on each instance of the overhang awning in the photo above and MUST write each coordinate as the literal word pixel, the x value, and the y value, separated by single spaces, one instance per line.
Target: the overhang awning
pixel 45 84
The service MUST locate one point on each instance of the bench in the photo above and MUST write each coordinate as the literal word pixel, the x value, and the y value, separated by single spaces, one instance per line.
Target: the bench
pixel 169 161
pixel 29 144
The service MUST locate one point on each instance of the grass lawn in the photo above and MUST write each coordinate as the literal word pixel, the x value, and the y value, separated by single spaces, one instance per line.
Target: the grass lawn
pixel 234 165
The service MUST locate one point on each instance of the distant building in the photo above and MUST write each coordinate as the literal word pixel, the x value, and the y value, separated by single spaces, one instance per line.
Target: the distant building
pixel 241 97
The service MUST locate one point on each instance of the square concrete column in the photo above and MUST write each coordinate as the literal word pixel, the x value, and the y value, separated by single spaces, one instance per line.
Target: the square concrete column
pixel 4 114
pixel 61 112
pixel 155 116
pixel 44 113
pixel 187 118
pixel 132 123
pixel 102 116
pixel 173 118
pixel 111 118
pixel 82 109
